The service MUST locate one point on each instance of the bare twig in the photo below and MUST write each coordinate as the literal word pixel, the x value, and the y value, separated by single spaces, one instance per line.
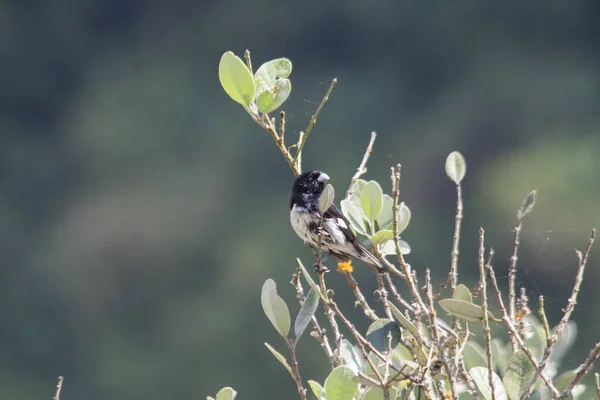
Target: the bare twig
pixel 436 337
pixel 362 168
pixel 551 340
pixel 360 298
pixel 395 293
pixel 282 127
pixel 456 238
pixel 582 370
pixel 296 370
pixel 58 388
pixel 512 273
pixel 543 318
pixel 303 138
pixel 484 307
pixel 383 295
pixel 597 382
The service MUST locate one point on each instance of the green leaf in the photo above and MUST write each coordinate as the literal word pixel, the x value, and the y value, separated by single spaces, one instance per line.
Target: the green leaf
pixel 386 215
pixel 275 308
pixel 563 380
pixel 406 323
pixel 226 393
pixel 456 167
pixel 474 355
pixel 280 358
pixel 236 79
pixel 357 189
pixel 464 310
pixel 376 393
pixel 355 215
pixel 371 199
pixel 518 375
pixel 273 97
pixel 340 384
pixel 527 205
pixel 403 217
pixel 318 390
pixel 563 343
pixel 326 198
pixel 378 331
pixel 350 357
pixel 268 73
pixel 388 248
pixel 462 293
pixel 306 313
pixel 500 355
pixel 481 378
pixel 382 236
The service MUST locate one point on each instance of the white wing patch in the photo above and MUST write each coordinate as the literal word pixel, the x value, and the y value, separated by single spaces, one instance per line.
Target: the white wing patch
pixel 342 223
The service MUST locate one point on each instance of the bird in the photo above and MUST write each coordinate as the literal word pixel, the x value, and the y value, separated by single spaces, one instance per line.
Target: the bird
pixel 337 238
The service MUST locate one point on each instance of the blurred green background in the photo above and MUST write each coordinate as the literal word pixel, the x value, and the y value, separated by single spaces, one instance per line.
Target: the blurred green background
pixel 141 209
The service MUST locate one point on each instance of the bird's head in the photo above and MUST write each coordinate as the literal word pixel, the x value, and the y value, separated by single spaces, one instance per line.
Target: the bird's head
pixel 308 188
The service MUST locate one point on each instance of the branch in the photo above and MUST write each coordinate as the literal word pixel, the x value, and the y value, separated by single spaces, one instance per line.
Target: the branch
pixel 582 370
pixel 362 168
pixel 296 370
pixel 58 388
pixel 484 307
pixel 360 298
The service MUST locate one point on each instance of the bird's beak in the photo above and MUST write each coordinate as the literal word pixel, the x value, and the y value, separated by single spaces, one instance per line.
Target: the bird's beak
pixel 323 177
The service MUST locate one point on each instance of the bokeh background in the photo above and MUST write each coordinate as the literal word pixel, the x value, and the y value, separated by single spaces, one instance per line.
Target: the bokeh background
pixel 141 209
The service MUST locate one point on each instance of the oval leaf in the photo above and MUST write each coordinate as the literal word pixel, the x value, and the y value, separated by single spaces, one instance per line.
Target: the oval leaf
pixel 280 358
pixel 388 248
pixel 456 167
pixel 349 357
pixel 377 334
pixel 406 323
pixel 481 377
pixel 317 389
pixel 355 215
pixel 236 79
pixel 273 97
pixel 386 215
pixel 268 73
pixel 518 375
pixel 326 199
pixel 226 393
pixel 340 384
pixel 464 310
pixel 376 393
pixel 527 205
pixel 371 200
pixel 382 236
pixel 306 313
pixel 275 308
pixel 403 217
pixel 474 355
pixel 462 293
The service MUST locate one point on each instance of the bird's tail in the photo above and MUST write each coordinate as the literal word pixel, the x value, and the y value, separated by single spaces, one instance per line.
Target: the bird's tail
pixel 366 256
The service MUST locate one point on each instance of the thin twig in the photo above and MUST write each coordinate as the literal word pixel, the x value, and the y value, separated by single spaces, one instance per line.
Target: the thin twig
pixel 484 307
pixel 514 333
pixel 360 298
pixel 456 238
pixel 582 370
pixel 512 274
pixel 362 168
pixel 597 382
pixel 58 388
pixel 282 127
pixel 551 340
pixel 396 294
pixel 383 296
pixel 543 318
pixel 313 120
pixel 292 349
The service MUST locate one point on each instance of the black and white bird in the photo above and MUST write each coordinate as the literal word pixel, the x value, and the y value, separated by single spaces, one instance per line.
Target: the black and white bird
pixel 337 237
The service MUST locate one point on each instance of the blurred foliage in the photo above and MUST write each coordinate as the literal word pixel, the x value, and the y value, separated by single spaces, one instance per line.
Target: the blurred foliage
pixel 140 209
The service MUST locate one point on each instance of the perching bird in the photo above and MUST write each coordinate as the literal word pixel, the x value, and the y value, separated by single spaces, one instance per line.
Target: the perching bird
pixel 337 237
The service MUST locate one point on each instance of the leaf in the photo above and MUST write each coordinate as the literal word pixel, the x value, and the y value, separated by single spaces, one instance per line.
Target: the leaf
pixel 462 293
pixel 406 323
pixel 500 355
pixel 403 217
pixel 378 331
pixel 355 215
pixel 518 375
pixel 280 358
pixel 527 205
pixel 340 384
pixel 317 389
pixel 386 215
pixel 371 199
pixel 564 342
pixel 474 355
pixel 464 310
pixel 226 393
pixel 389 248
pixel 268 73
pixel 456 167
pixel 236 79
pixel 349 357
pixel 326 199
pixel 273 97
pixel 306 312
pixel 382 236
pixel 481 378
pixel 376 393
pixel 275 308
